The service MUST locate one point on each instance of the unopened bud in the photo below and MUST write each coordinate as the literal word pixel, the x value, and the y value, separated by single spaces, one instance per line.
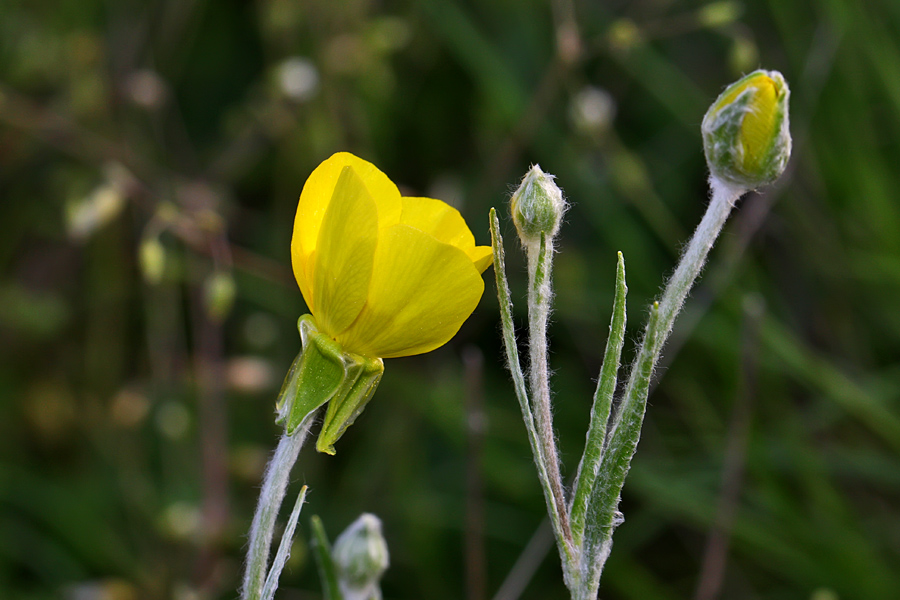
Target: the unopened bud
pixel 87 215
pixel 537 207
pixel 219 292
pixel 719 14
pixel 152 260
pixel 361 557
pixel 746 132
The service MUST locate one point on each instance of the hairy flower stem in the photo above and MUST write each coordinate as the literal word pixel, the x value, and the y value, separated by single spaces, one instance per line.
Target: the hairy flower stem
pixel 274 486
pixel 540 264
pixel 723 197
pixel 624 433
pixel 515 368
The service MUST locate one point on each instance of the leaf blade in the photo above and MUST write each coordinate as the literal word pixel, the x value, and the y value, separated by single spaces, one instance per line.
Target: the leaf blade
pixel 600 410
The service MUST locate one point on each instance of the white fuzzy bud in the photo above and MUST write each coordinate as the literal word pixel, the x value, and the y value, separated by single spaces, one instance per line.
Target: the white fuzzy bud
pixel 537 207
pixel 361 557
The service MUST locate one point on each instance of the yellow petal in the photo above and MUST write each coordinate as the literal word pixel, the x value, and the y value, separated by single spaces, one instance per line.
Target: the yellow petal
pixel 481 256
pixel 446 224
pixel 439 219
pixel 345 251
pixel 314 200
pixel 421 292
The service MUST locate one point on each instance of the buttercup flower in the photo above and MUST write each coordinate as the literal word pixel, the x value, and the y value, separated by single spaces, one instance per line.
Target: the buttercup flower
pixel 383 276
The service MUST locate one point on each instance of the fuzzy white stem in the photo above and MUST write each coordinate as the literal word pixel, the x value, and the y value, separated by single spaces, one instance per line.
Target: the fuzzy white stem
pixel 722 199
pixel 512 356
pixel 275 482
pixel 540 293
pixel 625 430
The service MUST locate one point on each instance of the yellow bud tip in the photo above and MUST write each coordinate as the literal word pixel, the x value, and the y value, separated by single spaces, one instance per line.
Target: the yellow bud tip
pixel 746 132
pixel 759 123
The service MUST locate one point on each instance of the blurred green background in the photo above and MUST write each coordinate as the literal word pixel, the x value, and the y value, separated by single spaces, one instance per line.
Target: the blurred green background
pixel 151 155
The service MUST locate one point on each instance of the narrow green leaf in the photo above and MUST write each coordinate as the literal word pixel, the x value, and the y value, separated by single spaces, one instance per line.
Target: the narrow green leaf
pixel 602 511
pixel 284 549
pixel 322 552
pixel 509 332
pixel 603 397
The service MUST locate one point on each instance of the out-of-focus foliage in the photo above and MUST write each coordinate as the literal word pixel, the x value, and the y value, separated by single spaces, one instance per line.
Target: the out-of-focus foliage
pixel 151 155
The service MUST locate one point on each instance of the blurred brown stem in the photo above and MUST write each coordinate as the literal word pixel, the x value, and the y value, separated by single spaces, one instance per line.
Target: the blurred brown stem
pixel 476 578
pixel 715 555
pixel 210 373
pixel 527 564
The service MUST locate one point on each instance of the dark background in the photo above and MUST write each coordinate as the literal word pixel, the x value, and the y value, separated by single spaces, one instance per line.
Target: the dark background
pixel 151 155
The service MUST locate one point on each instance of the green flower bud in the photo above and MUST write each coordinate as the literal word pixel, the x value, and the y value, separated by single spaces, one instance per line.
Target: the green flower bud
pixel 719 14
pixel 746 132
pixel 537 206
pixel 219 292
pixel 152 260
pixel 361 557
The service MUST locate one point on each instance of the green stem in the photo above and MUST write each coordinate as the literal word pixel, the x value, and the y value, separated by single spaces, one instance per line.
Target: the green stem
pixel 625 431
pixel 722 200
pixel 284 548
pixel 262 530
pixel 331 589
pixel 622 442
pixel 512 356
pixel 540 266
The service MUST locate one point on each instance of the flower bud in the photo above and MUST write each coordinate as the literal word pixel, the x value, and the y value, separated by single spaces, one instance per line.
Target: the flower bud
pixel 537 206
pixel 746 132
pixel 360 555
pixel 719 14
pixel 152 260
pixel 218 294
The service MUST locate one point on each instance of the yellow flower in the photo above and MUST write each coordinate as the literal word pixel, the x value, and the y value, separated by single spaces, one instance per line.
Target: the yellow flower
pixel 383 275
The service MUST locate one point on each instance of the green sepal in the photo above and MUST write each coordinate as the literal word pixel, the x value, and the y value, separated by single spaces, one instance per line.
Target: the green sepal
pixel 321 373
pixel 288 391
pixel 362 377
pixel 314 378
